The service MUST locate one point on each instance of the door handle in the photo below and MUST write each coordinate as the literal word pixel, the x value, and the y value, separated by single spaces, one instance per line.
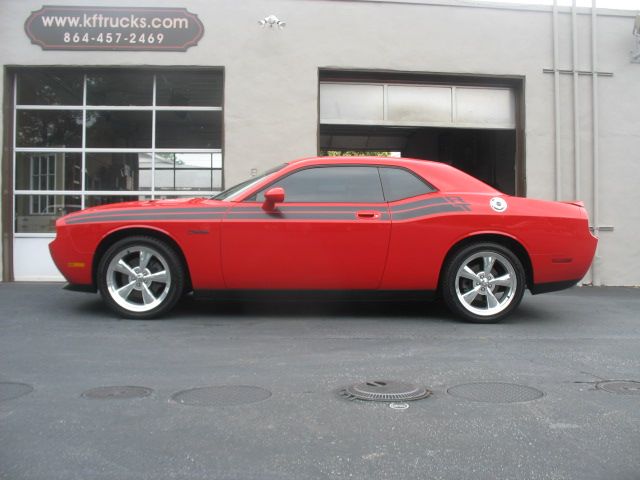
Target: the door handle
pixel 370 214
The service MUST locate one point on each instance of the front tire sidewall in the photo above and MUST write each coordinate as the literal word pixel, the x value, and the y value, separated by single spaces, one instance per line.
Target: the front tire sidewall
pixel 451 268
pixel 176 271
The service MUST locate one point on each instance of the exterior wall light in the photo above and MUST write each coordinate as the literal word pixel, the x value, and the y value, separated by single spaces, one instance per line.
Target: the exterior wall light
pixel 272 21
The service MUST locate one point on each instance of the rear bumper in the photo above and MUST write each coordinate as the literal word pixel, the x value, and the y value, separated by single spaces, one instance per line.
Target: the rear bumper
pixel 72 287
pixel 552 286
pixel 566 264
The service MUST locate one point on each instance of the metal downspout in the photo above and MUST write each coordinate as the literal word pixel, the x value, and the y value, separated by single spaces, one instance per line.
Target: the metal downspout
pixel 595 280
pixel 556 101
pixel 576 110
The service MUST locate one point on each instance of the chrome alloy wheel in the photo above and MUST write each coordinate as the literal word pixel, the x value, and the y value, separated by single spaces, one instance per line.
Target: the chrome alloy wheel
pixel 486 283
pixel 138 278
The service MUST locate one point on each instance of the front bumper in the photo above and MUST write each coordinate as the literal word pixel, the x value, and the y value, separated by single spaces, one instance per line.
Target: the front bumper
pixel 74 265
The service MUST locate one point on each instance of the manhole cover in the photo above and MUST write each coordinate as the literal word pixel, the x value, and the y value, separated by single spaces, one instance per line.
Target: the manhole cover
pixel 625 387
pixel 495 392
pixel 221 396
pixel 11 390
pixel 384 391
pixel 117 392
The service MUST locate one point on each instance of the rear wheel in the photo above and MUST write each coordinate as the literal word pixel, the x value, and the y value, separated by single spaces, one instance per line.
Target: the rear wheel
pixel 140 277
pixel 483 282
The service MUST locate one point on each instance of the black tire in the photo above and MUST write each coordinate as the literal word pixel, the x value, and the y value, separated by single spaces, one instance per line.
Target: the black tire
pixel 483 298
pixel 154 269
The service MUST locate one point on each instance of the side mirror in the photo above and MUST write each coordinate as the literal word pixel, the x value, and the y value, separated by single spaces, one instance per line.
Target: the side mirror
pixel 271 197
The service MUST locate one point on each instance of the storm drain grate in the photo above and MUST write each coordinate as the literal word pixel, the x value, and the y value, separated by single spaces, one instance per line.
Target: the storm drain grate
pixel 625 387
pixel 221 396
pixel 495 392
pixel 12 390
pixel 117 392
pixel 384 391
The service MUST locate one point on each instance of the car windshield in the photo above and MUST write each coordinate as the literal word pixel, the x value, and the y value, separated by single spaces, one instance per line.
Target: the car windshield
pixel 231 193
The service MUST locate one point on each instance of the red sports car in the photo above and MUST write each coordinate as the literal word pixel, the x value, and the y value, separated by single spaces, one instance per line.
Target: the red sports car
pixel 350 223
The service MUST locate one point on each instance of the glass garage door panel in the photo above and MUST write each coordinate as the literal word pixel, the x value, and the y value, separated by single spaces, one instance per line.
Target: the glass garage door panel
pixel 37 214
pixel 118 87
pixel 188 171
pixel 118 171
pixel 49 128
pixel 48 171
pixel 50 87
pixel 189 89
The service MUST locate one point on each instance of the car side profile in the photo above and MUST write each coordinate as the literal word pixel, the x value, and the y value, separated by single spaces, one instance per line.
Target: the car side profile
pixel 355 224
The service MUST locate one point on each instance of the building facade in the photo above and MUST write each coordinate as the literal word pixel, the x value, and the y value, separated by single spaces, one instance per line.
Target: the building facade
pixel 105 103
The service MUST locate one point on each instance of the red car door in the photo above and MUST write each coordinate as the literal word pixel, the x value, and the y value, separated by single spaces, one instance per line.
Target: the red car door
pixel 331 232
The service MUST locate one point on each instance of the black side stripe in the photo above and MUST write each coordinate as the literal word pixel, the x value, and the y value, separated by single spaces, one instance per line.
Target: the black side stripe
pixel 427 202
pixel 171 216
pixel 426 211
pixel 151 211
pixel 418 204
pixel 407 211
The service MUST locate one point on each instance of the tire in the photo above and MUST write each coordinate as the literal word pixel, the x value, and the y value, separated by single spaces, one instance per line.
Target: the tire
pixel 140 277
pixel 483 282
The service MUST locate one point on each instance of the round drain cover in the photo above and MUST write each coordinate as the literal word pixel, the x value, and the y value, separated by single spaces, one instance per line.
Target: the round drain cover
pixel 221 396
pixel 11 390
pixel 385 391
pixel 117 392
pixel 495 392
pixel 625 387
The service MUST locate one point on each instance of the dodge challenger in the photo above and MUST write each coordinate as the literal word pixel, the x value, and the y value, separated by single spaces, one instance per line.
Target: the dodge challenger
pixel 357 224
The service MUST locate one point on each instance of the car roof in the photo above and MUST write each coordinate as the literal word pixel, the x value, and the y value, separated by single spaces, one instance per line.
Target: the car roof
pixel 368 160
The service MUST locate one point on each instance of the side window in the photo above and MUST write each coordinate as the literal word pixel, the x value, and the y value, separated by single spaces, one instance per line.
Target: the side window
pixel 399 183
pixel 348 184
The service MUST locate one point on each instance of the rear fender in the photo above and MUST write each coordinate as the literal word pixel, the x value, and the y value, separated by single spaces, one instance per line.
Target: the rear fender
pixel 503 238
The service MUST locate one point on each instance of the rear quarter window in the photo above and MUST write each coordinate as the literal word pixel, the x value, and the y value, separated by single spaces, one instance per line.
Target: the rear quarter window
pixel 399 184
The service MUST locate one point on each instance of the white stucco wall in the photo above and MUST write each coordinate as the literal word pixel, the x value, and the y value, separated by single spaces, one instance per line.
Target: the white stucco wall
pixel 271 83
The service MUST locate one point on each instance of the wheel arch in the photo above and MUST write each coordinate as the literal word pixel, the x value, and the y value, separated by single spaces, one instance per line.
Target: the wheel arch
pixel 124 232
pixel 506 241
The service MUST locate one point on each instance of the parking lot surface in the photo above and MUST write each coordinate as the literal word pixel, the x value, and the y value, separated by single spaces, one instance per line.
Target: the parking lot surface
pixel 275 369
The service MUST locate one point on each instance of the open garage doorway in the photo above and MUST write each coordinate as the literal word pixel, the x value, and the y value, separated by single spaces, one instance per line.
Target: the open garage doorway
pixel 469 123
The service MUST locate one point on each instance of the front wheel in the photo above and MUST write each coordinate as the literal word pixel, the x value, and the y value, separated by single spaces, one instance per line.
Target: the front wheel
pixel 140 277
pixel 483 282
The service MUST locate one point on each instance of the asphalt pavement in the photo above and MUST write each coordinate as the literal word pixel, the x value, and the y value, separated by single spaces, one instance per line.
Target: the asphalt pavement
pixel 269 376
